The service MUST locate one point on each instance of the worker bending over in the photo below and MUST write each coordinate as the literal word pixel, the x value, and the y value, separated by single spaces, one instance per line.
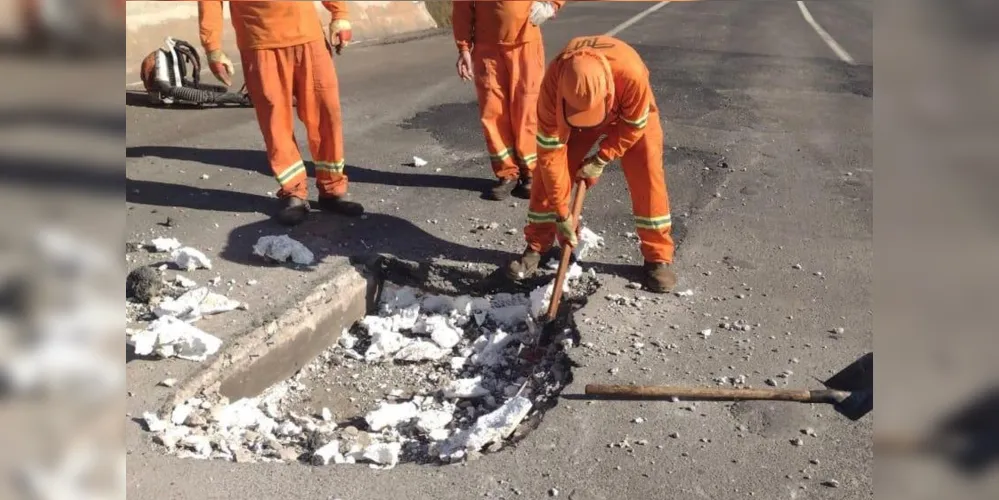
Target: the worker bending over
pixel 599 86
pixel 287 56
pixel 500 48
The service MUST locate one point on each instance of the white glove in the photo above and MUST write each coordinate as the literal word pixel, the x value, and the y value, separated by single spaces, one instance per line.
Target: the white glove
pixel 541 12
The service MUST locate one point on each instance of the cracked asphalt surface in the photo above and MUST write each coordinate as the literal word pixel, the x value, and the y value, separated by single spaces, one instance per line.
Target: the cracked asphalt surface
pixel 769 163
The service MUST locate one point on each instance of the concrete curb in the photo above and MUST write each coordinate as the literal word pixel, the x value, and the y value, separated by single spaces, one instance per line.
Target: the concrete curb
pixel 264 356
pixel 148 23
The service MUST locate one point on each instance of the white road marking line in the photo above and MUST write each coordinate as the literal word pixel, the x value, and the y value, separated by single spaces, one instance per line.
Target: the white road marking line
pixel 637 17
pixel 840 52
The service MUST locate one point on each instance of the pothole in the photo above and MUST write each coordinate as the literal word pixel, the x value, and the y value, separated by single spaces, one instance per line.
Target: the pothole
pixel 442 369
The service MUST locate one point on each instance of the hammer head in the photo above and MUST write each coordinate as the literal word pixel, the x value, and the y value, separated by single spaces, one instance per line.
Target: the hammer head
pixel 857 379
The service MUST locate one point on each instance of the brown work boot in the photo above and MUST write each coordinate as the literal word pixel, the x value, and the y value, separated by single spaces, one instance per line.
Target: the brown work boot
pixel 524 266
pixel 659 277
pixel 523 189
pixel 293 211
pixel 339 205
pixel 502 189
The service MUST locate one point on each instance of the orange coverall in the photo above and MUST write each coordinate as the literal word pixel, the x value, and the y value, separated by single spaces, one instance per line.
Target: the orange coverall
pixel 508 58
pixel 633 133
pixel 284 54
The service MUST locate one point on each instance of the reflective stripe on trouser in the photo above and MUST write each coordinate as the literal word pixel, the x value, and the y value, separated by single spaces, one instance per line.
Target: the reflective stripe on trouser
pixel 646 178
pixel 306 72
pixel 540 231
pixel 507 82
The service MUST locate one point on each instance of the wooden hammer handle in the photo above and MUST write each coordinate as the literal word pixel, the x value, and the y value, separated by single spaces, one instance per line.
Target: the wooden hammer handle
pixel 705 393
pixel 563 264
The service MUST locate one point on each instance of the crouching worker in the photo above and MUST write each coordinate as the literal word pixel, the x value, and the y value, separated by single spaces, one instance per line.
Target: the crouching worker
pixel 172 74
pixel 599 86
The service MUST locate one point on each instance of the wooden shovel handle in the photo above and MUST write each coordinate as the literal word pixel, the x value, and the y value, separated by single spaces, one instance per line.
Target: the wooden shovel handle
pixel 563 264
pixel 704 393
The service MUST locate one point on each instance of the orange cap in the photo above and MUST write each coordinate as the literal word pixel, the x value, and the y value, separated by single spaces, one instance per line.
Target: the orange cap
pixel 583 86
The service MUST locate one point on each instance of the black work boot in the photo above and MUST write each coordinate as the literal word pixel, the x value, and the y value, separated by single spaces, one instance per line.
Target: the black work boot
pixel 293 211
pixel 659 277
pixel 523 266
pixel 523 189
pixel 340 205
pixel 501 190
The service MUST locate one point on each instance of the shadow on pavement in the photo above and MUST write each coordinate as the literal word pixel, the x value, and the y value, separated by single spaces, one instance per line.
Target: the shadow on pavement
pixel 85 176
pixel 164 194
pixel 328 235
pixel 256 161
pixel 110 123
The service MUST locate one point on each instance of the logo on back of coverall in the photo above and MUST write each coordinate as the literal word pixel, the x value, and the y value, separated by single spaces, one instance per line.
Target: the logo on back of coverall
pixel 591 43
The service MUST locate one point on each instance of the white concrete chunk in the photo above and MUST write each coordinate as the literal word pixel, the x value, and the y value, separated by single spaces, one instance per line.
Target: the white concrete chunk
pixel 329 452
pixel 169 337
pixel 491 427
pixel 193 305
pixel 420 351
pixel 467 388
pixel 189 259
pixel 432 420
pixel 391 415
pixel 385 454
pixel 165 244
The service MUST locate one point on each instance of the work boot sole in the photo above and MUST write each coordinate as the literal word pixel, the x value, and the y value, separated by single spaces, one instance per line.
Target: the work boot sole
pixel 293 213
pixel 500 193
pixel 653 285
pixel 341 206
pixel 522 191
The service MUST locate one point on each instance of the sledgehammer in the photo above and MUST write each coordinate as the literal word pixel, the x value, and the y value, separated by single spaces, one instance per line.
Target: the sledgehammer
pixel 850 392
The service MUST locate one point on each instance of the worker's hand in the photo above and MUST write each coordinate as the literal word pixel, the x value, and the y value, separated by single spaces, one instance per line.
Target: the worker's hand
pixel 541 12
pixel 592 169
pixel 221 66
pixel 340 34
pixel 567 229
pixel 464 65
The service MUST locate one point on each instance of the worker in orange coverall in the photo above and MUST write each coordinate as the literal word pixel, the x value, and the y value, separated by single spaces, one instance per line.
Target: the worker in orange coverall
pixel 500 47
pixel 285 55
pixel 599 86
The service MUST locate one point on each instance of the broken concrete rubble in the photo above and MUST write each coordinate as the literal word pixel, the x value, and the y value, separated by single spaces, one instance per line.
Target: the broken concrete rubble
pixel 283 248
pixel 391 415
pixel 588 241
pixel 189 259
pixel 385 454
pixel 489 428
pixel 165 244
pixel 328 453
pixel 463 386
pixel 195 304
pixel 170 337
pixel 420 351
pixel 468 388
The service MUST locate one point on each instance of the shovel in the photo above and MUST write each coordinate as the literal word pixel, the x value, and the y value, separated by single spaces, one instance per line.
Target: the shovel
pixel 850 392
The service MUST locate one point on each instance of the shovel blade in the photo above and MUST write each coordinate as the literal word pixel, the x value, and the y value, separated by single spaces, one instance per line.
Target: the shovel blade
pixel 858 404
pixel 857 379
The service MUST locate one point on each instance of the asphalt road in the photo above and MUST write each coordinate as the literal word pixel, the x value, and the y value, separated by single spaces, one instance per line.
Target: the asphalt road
pixel 750 85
